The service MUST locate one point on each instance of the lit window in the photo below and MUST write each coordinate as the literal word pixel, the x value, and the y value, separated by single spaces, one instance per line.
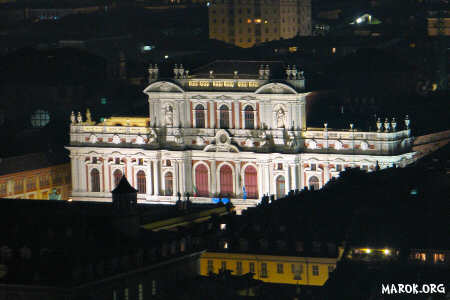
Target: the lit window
pixel 40 118
pixel 315 270
pixel 249 21
pixel 153 287
pixel 140 291
pixel 223 226
pixel 438 258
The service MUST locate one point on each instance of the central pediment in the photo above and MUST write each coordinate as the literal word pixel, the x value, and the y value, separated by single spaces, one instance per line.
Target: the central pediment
pixel 275 88
pixel 163 87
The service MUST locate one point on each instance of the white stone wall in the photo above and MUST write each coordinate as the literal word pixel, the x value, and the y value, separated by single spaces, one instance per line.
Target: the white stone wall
pixel 295 152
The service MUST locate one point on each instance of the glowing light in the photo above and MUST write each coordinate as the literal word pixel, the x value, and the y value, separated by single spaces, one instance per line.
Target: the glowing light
pixel 249 21
pixel 333 50
pixel 265 21
pixel 166 56
pixel 368 251
pixel 387 252
pixel 257 21
pixel 69 200
pixel 359 20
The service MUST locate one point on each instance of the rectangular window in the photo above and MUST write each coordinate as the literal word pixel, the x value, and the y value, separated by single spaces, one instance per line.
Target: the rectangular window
pixel 3 189
pixel 264 270
pixel 315 270
pixel 439 258
pixel 31 184
pixel 313 167
pixel 238 268
pixel 18 186
pixel 210 266
pixel 140 291
pixel 224 266
pixel 338 168
pixel 154 287
pixel 280 268
pixel 251 267
pixel 280 166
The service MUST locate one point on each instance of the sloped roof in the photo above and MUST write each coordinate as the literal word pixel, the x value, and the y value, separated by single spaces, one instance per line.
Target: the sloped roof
pixel 246 69
pixel 31 161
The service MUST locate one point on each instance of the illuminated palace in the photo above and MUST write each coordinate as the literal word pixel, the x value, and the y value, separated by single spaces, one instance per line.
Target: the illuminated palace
pixel 230 129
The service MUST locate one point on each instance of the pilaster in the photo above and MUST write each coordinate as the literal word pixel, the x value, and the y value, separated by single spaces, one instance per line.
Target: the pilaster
pixel 213 177
pixel 156 175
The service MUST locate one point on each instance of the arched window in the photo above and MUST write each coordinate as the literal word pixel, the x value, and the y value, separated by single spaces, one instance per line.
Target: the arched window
pixel 141 182
pixel 313 183
pixel 249 117
pixel 226 181
pixel 117 176
pixel 95 180
pixel 251 182
pixel 280 183
pixel 199 116
pixel 201 181
pixel 168 184
pixel 224 117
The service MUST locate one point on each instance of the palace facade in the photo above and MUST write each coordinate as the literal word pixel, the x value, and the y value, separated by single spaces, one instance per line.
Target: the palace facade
pixel 230 129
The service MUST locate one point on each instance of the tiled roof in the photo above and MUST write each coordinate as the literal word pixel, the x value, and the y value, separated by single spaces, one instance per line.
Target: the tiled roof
pixel 31 161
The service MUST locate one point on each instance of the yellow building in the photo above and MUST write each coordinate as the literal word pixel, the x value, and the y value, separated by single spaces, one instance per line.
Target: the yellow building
pixel 251 22
pixel 271 268
pixel 35 176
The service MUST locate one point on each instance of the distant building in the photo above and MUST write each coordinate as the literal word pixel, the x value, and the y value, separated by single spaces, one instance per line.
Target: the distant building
pixel 249 23
pixel 100 247
pixel 438 26
pixel 35 176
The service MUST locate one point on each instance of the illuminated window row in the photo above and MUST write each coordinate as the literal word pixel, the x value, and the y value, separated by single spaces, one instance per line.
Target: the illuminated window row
pixel 250 84
pixel 296 269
